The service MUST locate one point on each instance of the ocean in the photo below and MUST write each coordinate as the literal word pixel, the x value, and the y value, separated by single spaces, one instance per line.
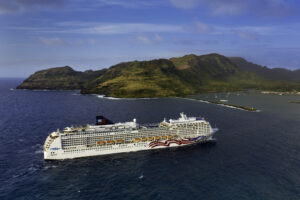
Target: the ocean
pixel 256 154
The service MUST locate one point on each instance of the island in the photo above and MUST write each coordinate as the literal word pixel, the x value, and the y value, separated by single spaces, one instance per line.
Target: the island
pixel 174 77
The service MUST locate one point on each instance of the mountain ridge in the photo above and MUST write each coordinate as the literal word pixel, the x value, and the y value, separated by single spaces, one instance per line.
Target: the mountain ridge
pixel 177 76
pixel 269 73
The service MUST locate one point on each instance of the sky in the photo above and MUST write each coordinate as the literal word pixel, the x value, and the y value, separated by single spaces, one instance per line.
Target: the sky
pixel 95 34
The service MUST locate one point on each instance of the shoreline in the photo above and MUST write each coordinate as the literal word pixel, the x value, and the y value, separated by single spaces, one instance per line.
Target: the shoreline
pixel 101 96
pixel 244 108
pixel 296 102
pixel 250 109
pixel 280 93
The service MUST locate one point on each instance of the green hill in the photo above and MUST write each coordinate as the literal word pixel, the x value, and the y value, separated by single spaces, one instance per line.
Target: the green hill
pixel 179 76
pixel 59 78
pixel 271 74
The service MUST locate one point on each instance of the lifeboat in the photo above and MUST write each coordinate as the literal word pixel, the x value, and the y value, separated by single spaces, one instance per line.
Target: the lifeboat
pixel 164 137
pixel 170 136
pixel 144 139
pixel 137 140
pixel 110 142
pixel 157 138
pixel 100 142
pixel 151 138
pixel 120 141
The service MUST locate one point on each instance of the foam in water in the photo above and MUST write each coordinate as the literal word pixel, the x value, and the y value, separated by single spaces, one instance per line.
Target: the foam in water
pixel 38 151
pixel 141 176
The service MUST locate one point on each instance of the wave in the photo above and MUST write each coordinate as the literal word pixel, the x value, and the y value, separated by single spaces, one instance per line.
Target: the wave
pixel 30 170
pixel 116 98
pixel 49 167
pixel 39 148
pixel 38 151
pixel 105 97
pixel 141 176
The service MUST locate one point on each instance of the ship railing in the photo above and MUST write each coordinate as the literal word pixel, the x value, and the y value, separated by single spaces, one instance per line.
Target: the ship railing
pixel 48 142
pixel 149 125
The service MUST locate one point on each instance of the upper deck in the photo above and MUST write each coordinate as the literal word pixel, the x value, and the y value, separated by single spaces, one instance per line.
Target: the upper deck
pixel 183 120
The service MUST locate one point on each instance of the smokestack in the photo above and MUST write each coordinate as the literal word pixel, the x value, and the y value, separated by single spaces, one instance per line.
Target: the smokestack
pixel 100 120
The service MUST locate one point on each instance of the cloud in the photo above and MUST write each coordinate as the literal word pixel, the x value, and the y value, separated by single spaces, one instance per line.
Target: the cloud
pixel 129 3
pixel 95 5
pixel 54 41
pixel 116 28
pixel 185 4
pixel 148 40
pixel 202 27
pixel 19 6
pixel 274 8
pixel 246 35
pixel 143 39
pixel 92 41
pixel 158 38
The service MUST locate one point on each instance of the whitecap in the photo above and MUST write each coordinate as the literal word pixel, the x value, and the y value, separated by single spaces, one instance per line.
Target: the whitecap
pixel 101 96
pixel 38 151
pixel 104 97
pixel 49 167
pixel 37 146
pixel 113 98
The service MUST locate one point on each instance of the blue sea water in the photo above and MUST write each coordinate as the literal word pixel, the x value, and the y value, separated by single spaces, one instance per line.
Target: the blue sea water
pixel 256 156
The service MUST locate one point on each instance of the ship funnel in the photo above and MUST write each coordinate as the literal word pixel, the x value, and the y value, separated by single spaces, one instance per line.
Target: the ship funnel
pixel 100 120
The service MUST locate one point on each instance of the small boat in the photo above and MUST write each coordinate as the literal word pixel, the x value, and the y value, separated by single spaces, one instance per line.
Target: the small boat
pixel 144 139
pixel 164 137
pixel 223 100
pixel 151 138
pixel 170 136
pixel 157 138
pixel 137 140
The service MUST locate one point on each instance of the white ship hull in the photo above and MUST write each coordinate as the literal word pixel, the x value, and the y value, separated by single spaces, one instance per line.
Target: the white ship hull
pixel 119 148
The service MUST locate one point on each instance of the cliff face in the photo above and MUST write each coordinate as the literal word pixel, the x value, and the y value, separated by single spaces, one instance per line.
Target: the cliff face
pixel 179 76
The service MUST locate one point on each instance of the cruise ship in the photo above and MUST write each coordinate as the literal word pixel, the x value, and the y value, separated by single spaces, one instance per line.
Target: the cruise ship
pixel 107 137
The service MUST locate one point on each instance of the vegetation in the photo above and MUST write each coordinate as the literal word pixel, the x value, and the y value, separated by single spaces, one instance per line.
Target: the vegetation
pixel 271 74
pixel 180 76
pixel 59 78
